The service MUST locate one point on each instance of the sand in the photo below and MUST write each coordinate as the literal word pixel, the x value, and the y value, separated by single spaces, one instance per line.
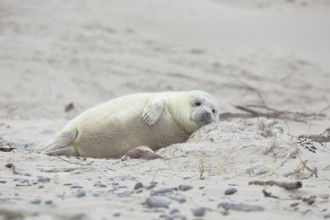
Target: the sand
pixel 260 52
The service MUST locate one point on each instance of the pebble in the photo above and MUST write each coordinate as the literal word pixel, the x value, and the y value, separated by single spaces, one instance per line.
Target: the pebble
pixel 35 201
pixel 76 187
pixel 174 211
pixel 287 174
pixel 43 179
pixel 98 184
pixel 230 191
pixel 324 196
pixel 327 215
pixel 122 192
pixel 177 197
pixel 184 187
pixel 176 216
pixel 21 180
pixel 80 193
pixel 162 191
pixel 138 185
pixel 48 202
pixel 117 214
pixel 199 211
pixel 156 202
pixel 151 185
pixel 60 194
pixel 241 207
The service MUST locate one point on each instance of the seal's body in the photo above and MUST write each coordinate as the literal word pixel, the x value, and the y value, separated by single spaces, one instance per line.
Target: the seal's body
pixel 155 120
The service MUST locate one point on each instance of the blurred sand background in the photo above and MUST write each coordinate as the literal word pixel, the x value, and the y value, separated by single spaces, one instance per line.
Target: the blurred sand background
pixel 53 53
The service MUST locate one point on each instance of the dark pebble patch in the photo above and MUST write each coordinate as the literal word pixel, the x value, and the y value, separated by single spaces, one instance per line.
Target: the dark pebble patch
pixel 138 185
pixel 35 201
pixel 241 207
pixel 80 193
pixel 185 187
pixel 156 202
pixel 199 212
pixel 230 191
pixel 48 202
pixel 43 179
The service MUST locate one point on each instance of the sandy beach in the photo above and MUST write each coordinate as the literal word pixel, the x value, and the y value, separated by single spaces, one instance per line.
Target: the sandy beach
pixel 266 63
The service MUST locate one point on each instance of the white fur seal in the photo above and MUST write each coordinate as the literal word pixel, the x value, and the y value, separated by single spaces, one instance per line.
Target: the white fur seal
pixel 156 120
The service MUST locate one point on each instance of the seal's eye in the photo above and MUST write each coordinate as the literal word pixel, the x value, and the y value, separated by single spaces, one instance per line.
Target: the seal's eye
pixel 213 110
pixel 198 103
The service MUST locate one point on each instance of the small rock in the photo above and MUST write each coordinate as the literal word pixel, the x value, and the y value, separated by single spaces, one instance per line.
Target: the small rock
pixel 324 196
pixel 117 214
pixel 35 201
pixel 76 187
pixel 80 193
pixel 199 211
pixel 162 191
pixel 151 185
pixel 156 202
pixel 176 216
pixel 287 174
pixel 177 197
pixel 122 192
pixel 98 184
pixel 241 207
pixel 327 215
pixel 174 211
pixel 230 191
pixel 21 180
pixel 43 179
pixel 138 185
pixel 48 202
pixel 184 187
pixel 114 183
pixel 60 194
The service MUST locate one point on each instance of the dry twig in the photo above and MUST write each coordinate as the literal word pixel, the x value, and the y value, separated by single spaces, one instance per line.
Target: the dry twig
pixel 285 185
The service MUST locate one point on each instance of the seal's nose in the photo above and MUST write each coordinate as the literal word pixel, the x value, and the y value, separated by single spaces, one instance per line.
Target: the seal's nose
pixel 207 117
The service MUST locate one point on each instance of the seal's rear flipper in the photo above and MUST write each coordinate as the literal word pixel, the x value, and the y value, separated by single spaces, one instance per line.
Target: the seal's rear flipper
pixel 62 144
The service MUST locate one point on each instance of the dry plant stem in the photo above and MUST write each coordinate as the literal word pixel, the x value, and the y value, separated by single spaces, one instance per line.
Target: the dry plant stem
pixel 201 169
pixel 268 194
pixel 83 164
pixel 285 185
pixel 318 138
pixel 299 172
pixel 271 113
pixel 12 167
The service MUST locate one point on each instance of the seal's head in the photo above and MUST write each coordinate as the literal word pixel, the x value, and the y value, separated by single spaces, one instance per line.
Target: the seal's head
pixel 194 109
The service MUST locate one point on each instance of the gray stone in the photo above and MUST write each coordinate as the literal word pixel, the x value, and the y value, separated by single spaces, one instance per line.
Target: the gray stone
pixel 156 202
pixel 241 207
pixel 185 187
pixel 138 185
pixel 199 211
pixel 230 191
pixel 123 192
pixel 43 179
pixel 35 201
pixel 324 196
pixel 177 197
pixel 80 193
pixel 151 185
pixel 327 215
pixel 98 184
pixel 48 202
pixel 60 194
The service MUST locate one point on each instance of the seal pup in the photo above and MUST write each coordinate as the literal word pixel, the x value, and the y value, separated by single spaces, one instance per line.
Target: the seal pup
pixel 156 120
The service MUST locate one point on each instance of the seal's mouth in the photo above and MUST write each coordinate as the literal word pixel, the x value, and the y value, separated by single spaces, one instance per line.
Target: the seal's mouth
pixel 206 118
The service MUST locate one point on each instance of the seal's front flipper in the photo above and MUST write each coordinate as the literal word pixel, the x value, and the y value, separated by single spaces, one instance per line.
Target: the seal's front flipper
pixel 153 110
pixel 63 144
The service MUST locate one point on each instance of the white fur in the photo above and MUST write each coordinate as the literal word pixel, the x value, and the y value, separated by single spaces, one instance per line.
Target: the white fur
pixel 155 120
